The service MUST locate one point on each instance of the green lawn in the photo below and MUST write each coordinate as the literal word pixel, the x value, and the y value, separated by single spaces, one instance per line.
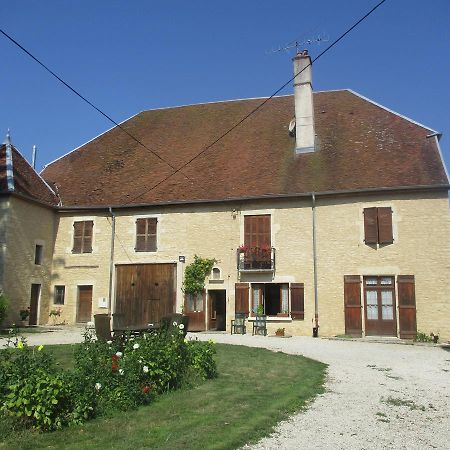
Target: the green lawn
pixel 256 388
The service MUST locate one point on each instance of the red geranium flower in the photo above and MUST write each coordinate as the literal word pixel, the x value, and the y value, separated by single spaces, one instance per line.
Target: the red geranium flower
pixel 114 365
pixel 146 389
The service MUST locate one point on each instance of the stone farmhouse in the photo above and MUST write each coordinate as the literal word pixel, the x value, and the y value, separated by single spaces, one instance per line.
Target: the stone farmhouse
pixel 325 208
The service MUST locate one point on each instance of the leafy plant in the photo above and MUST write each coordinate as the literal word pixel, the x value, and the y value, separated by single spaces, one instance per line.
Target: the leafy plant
pixel 195 274
pixel 422 337
pixel 24 313
pixel 3 307
pixel 260 310
pixel 202 358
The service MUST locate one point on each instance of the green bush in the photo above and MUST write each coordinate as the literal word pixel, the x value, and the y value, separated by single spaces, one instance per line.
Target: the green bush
pixel 107 376
pixel 202 359
pixel 3 308
pixel 422 337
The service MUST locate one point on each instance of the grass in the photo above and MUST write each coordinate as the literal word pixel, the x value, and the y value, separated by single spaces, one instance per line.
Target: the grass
pixel 256 388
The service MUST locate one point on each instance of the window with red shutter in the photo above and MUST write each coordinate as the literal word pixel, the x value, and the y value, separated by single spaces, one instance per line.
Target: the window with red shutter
pixel 82 236
pixel 146 234
pixel 378 225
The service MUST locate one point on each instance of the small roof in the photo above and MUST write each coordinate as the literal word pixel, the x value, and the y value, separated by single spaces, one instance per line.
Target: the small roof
pixel 359 145
pixel 26 181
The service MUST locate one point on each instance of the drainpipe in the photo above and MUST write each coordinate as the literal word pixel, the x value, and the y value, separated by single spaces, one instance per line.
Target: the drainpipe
pixel 111 260
pixel 316 296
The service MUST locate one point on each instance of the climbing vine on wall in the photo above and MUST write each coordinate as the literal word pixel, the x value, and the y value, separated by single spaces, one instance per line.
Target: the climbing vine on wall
pixel 195 274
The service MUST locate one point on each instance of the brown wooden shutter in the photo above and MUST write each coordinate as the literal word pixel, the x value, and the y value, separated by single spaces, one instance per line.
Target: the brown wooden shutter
pixel 257 232
pixel 297 301
pixel 77 237
pixel 385 226
pixel 140 235
pixel 370 225
pixel 87 236
pixel 352 305
pixel 151 234
pixel 241 298
pixel 407 306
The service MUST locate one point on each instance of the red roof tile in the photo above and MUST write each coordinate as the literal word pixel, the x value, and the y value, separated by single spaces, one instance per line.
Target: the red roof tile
pixel 26 181
pixel 359 146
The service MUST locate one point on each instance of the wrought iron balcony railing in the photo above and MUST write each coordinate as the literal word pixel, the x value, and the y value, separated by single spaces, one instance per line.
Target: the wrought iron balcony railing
pixel 255 259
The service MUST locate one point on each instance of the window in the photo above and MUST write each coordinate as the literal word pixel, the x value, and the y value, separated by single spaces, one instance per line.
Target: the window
pixel 38 254
pixel 273 297
pixel 59 295
pixel 378 225
pixel 216 273
pixel 257 242
pixel 146 234
pixel 82 236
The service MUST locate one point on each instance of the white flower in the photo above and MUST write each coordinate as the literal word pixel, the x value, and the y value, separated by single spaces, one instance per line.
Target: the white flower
pixel 109 342
pixel 119 354
pixel 136 346
pixel 121 371
pixel 140 360
pixel 98 386
pixel 181 326
pixel 145 369
pixel 174 324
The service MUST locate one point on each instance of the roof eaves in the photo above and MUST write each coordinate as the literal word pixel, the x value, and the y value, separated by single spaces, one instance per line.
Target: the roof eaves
pixel 391 111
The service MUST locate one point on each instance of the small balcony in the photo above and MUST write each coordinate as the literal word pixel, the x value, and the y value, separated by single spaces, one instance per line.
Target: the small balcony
pixel 255 259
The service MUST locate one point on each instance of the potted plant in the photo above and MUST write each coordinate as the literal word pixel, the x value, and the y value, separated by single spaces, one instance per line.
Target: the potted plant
pixel 279 332
pixel 260 310
pixel 435 337
pixel 24 314
pixel 242 248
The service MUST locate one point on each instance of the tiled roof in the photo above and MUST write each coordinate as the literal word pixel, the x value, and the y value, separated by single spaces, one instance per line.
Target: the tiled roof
pixel 360 145
pixel 26 181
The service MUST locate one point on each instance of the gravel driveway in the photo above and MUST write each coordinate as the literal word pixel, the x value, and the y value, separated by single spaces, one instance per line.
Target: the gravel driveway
pixel 377 395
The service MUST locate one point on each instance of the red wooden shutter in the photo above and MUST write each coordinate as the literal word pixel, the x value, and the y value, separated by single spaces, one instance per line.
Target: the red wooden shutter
pixel 407 306
pixel 385 226
pixel 297 301
pixel 77 237
pixel 87 236
pixel 352 305
pixel 370 225
pixel 241 298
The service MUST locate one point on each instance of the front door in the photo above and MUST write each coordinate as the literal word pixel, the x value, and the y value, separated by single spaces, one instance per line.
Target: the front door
pixel 195 308
pixel 34 303
pixel 379 301
pixel 217 310
pixel 84 303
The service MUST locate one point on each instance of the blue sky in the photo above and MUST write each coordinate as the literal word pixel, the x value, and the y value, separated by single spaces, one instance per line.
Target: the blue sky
pixel 128 56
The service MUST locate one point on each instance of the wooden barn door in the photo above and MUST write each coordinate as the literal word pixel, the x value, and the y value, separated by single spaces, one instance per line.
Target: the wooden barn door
pixel 407 306
pixel 352 305
pixel 145 292
pixel 84 303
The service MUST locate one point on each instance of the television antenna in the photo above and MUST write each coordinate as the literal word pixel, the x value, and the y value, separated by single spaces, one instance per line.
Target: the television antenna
pixel 301 42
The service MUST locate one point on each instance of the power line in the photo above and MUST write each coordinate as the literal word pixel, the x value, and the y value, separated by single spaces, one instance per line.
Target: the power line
pixel 253 111
pixel 87 101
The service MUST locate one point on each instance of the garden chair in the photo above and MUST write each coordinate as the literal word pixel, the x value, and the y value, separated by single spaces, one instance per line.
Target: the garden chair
pixel 260 325
pixel 102 327
pixel 238 323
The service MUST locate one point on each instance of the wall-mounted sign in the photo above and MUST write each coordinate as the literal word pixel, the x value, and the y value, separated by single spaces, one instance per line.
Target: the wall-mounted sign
pixel 182 259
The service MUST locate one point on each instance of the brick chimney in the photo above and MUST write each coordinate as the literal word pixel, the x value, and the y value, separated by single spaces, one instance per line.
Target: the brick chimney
pixel 304 111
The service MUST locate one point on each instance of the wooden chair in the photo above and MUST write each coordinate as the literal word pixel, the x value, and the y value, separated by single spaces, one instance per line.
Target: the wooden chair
pixel 260 325
pixel 103 327
pixel 238 323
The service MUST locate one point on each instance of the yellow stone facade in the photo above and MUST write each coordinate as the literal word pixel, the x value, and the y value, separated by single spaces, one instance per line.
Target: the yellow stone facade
pixel 421 248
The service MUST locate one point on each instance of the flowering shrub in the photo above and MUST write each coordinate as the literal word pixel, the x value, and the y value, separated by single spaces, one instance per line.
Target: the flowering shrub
pixel 112 375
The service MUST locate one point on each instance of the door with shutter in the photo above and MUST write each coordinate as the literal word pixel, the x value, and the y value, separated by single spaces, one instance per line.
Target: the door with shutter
pixel 379 302
pixel 241 298
pixel 194 307
pixel 352 305
pixel 34 303
pixel 297 301
pixel 84 304
pixel 257 239
pixel 407 306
